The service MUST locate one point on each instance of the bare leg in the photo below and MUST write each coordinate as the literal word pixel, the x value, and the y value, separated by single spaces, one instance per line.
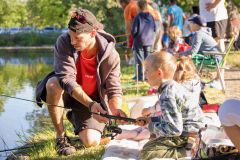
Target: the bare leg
pixel 221 45
pixel 54 97
pixel 90 137
pixel 233 133
pixel 144 134
pixel 127 134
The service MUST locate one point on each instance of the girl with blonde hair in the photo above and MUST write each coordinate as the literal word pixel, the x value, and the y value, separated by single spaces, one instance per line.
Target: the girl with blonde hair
pixel 177 43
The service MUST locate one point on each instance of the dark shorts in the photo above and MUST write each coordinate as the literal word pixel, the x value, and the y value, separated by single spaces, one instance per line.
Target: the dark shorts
pixel 219 28
pixel 81 119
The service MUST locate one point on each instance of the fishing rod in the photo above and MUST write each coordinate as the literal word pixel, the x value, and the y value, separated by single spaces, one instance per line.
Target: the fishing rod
pixel 130 120
pixel 19 148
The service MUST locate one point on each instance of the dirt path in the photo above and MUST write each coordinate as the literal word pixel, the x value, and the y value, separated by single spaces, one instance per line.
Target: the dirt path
pixel 232 81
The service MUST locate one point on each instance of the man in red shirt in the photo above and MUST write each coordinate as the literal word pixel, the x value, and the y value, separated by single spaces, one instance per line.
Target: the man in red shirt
pixel 86 78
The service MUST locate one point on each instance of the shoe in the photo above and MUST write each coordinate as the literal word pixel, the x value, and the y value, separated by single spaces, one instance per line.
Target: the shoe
pixel 134 78
pixel 64 147
pixel 215 84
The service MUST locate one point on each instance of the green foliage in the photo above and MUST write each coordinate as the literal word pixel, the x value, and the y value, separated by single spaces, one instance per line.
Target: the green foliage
pixel 43 13
pixel 13 13
pixel 28 39
pixel 48 13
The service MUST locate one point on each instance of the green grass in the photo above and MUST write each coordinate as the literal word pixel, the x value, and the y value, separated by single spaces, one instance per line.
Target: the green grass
pixel 43 136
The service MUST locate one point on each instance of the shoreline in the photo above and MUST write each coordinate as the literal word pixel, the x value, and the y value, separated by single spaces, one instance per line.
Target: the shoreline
pixel 26 47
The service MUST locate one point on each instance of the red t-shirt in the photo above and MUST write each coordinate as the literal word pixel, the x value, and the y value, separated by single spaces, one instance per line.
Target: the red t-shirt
pixel 87 75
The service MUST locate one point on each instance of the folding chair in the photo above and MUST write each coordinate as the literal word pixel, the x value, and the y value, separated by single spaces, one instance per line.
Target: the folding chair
pixel 207 59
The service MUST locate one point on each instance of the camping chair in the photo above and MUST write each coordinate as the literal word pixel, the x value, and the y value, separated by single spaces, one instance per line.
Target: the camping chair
pixel 207 59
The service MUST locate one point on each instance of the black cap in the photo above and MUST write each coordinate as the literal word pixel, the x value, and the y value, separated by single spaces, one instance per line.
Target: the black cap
pixel 83 20
pixel 198 20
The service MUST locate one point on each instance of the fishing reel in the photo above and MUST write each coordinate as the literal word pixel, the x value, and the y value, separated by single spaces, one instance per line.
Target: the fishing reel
pixel 111 130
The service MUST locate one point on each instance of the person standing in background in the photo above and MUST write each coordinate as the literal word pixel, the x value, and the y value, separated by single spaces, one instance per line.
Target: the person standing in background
pixel 143 32
pixel 157 46
pixel 175 15
pixel 216 17
pixel 130 11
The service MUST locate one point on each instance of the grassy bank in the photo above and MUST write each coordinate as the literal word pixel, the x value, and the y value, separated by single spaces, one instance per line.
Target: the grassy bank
pixel 42 141
pixel 28 39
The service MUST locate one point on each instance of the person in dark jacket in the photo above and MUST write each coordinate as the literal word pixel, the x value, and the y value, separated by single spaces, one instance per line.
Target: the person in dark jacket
pixel 143 31
pixel 86 78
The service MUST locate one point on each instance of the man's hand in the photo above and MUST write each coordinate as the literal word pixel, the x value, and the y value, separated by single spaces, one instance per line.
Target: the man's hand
pixel 96 108
pixel 142 121
pixel 120 113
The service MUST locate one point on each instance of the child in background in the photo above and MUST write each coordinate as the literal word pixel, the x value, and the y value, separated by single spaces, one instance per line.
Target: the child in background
pixel 203 41
pixel 143 31
pixel 178 117
pixel 177 43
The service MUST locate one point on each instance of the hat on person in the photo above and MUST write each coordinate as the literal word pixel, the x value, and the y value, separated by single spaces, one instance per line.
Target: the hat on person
pixel 198 20
pixel 83 20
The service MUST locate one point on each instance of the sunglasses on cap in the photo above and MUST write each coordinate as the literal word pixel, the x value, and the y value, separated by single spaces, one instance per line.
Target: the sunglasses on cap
pixel 79 18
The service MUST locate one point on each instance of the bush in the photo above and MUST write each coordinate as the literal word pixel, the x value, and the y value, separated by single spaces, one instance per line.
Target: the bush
pixel 28 39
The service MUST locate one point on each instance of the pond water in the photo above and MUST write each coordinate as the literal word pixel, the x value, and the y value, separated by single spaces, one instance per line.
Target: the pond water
pixel 19 74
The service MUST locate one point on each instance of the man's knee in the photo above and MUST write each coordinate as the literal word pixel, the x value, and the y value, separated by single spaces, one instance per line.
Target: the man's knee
pixel 53 86
pixel 90 137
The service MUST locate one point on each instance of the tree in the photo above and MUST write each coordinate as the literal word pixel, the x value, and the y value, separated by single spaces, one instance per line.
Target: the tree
pixel 13 13
pixel 48 12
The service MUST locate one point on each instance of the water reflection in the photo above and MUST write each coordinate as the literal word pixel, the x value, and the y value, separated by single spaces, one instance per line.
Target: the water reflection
pixel 19 74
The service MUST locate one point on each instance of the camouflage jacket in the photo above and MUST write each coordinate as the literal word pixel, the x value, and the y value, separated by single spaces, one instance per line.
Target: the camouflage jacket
pixel 179 115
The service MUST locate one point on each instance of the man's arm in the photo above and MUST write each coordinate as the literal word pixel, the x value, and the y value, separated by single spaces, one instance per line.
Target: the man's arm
pixel 113 86
pixel 128 25
pixel 115 104
pixel 64 64
pixel 81 96
pixel 93 106
pixel 196 43
pixel 210 6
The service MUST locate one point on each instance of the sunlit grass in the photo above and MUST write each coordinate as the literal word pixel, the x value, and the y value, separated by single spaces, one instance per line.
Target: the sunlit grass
pixel 234 59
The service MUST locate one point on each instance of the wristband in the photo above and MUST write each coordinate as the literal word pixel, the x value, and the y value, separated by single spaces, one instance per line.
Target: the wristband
pixel 91 104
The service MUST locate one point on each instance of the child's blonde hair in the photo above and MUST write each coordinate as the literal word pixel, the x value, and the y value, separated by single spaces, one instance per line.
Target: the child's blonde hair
pixel 164 60
pixel 186 70
pixel 174 33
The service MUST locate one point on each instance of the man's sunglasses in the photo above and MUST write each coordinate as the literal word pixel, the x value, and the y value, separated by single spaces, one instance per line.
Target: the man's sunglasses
pixel 78 19
pixel 82 19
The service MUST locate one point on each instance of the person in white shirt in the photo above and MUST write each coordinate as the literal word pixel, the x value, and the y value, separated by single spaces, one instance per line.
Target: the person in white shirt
pixel 216 17
pixel 229 115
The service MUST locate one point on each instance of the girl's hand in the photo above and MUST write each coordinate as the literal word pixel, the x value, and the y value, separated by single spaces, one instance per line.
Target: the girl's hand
pixel 142 121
